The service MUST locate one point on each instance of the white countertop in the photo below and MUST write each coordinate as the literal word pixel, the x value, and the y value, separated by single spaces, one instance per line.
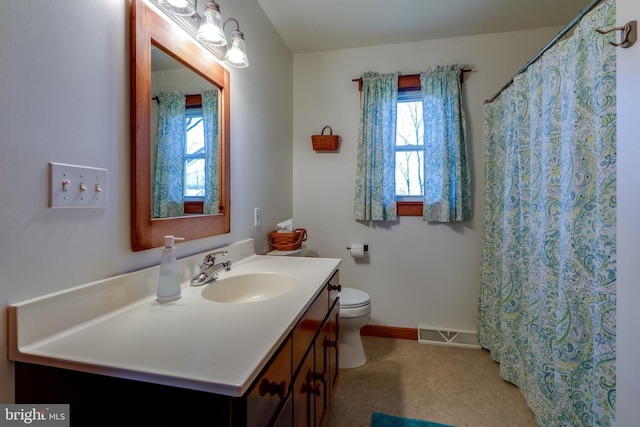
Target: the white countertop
pixel 191 342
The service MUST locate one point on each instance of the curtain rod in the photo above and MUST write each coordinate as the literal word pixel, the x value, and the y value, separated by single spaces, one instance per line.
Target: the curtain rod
pixel 417 76
pixel 564 31
pixel 191 100
pixel 155 98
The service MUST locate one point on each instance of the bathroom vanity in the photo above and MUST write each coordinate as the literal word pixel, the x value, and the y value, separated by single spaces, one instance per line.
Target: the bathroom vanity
pixel 119 357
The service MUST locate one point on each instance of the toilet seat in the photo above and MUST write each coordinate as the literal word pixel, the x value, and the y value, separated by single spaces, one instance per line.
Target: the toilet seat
pixel 353 312
pixel 353 298
pixel 354 303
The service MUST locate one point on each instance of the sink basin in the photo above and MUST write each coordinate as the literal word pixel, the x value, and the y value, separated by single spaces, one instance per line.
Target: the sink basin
pixel 250 287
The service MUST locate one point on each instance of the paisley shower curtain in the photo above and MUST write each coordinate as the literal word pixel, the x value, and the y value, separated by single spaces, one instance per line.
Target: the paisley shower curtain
pixel 547 308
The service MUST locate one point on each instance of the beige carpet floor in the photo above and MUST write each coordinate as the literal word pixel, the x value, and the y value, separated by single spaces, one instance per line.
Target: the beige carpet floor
pixel 450 385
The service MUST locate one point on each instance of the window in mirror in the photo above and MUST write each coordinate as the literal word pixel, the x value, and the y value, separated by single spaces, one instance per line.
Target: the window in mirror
pixel 186 140
pixel 194 155
pixel 193 175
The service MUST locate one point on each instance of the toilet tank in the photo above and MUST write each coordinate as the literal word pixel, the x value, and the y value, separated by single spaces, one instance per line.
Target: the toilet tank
pixel 301 251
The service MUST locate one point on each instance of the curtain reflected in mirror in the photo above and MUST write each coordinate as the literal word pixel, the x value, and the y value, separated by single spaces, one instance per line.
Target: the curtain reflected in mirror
pixel 185 140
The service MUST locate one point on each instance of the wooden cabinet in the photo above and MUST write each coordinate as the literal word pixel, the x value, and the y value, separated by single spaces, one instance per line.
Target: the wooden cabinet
pixel 293 390
pixel 317 375
pixel 304 392
pixel 271 388
pixel 327 360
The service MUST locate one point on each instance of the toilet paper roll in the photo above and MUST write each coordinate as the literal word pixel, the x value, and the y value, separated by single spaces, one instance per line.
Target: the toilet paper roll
pixel 357 250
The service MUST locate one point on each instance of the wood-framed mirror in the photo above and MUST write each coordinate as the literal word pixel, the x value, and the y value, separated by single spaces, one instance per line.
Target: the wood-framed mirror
pixel 149 29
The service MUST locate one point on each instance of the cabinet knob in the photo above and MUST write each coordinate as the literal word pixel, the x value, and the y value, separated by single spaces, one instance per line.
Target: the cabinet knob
pixel 335 288
pixel 330 343
pixel 320 376
pixel 316 389
pixel 272 388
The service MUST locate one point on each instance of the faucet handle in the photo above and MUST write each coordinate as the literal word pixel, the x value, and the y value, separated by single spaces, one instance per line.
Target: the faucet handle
pixel 210 259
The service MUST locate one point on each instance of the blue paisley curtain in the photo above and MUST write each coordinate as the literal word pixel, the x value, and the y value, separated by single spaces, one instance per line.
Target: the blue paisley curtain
pixel 547 309
pixel 447 188
pixel 375 173
pixel 168 178
pixel 212 149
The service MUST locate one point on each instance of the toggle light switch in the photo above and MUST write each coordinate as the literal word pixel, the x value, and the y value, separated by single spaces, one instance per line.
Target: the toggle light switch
pixel 73 186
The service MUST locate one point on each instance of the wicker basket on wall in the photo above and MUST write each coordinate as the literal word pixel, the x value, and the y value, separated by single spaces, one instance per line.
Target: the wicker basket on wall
pixel 324 142
pixel 288 241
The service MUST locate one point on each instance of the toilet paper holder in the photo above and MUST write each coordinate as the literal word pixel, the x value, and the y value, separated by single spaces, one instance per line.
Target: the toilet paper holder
pixel 358 251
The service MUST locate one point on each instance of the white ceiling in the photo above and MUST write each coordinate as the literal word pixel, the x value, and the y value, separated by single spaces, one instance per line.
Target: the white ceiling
pixel 313 25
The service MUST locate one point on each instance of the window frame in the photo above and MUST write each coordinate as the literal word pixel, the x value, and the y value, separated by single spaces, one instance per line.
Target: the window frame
pixel 410 82
pixel 407 83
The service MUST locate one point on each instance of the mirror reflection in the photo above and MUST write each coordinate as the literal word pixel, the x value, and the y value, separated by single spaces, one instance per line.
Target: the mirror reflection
pixel 184 132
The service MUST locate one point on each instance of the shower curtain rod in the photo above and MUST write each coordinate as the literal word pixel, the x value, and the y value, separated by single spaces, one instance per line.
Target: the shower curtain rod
pixel 566 29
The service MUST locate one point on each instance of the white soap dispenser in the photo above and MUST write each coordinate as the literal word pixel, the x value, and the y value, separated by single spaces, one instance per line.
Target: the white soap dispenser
pixel 168 282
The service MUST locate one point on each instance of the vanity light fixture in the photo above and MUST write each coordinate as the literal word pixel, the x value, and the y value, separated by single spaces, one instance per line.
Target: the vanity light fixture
pixel 179 7
pixel 210 31
pixel 236 55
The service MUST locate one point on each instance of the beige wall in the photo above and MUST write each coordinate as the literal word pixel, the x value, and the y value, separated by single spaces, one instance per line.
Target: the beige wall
pixel 418 273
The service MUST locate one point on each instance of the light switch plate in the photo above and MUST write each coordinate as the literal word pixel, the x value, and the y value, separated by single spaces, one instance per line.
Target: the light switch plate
pixel 257 217
pixel 72 186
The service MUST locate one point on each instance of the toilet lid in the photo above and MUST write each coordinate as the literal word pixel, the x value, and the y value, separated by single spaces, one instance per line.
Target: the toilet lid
pixel 350 297
pixel 301 251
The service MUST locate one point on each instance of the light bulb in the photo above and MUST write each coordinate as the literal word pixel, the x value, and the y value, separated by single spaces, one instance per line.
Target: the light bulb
pixel 178 7
pixel 210 31
pixel 236 56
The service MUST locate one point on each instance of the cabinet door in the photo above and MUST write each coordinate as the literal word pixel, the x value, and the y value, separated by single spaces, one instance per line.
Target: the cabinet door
pixel 326 372
pixel 321 376
pixel 334 288
pixel 308 327
pixel 285 418
pixel 303 393
pixel 332 345
pixel 271 388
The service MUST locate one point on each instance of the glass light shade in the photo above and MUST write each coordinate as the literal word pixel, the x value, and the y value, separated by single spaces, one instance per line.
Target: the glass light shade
pixel 178 7
pixel 236 55
pixel 210 31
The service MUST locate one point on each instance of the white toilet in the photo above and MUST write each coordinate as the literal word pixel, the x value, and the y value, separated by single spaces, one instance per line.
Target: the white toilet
pixel 355 311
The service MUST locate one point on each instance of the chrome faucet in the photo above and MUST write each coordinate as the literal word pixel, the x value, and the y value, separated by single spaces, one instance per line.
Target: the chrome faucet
pixel 209 269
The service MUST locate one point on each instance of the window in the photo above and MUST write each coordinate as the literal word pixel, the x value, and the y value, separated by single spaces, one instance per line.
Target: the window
pixel 409 147
pixel 194 156
pixel 446 188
